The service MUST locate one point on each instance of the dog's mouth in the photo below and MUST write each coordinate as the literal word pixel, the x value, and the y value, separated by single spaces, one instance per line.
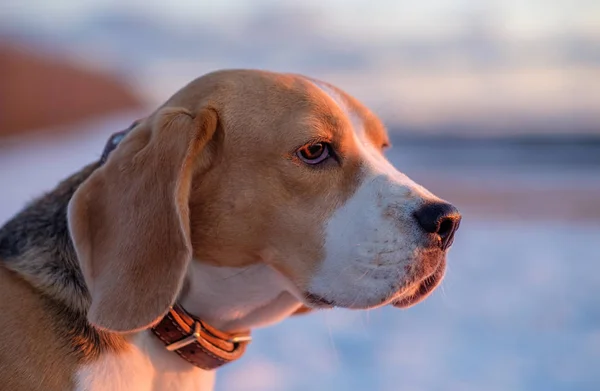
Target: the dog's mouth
pixel 406 297
pixel 422 288
pixel 318 302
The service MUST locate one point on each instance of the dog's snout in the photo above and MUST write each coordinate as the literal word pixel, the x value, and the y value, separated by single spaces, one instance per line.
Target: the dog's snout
pixel 441 219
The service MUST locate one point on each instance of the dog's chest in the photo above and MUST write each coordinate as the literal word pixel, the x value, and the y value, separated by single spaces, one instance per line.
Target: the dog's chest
pixel 145 366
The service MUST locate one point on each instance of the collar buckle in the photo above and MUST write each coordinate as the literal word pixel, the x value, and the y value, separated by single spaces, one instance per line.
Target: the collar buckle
pixel 196 336
pixel 190 339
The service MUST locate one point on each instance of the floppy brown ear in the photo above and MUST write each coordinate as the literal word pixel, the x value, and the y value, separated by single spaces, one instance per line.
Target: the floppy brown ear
pixel 129 221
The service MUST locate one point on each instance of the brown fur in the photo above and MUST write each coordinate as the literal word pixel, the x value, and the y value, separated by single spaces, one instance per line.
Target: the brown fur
pixel 43 300
pixel 212 176
pixel 33 355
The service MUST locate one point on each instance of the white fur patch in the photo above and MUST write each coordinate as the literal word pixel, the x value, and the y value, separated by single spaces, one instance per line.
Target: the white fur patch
pixel 238 298
pixel 145 366
pixel 373 238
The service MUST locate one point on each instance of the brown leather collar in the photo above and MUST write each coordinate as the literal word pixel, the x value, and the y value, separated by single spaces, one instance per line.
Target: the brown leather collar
pixel 189 337
pixel 197 342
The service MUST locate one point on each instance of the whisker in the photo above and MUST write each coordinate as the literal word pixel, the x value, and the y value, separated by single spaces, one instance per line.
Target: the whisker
pixel 442 289
pixel 358 291
pixel 331 340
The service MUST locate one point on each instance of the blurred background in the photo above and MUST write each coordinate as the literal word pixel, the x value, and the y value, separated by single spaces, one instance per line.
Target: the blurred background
pixel 493 105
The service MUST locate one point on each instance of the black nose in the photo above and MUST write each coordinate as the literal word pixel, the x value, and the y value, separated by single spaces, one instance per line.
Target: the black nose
pixel 439 218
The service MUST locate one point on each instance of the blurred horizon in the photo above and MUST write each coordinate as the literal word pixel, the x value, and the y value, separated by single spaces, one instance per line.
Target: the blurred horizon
pixel 470 68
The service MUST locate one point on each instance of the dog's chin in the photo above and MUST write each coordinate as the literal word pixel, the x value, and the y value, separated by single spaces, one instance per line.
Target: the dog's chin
pixel 421 289
pixel 408 294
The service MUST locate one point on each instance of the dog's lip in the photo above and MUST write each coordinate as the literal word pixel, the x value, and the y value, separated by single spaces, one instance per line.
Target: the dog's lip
pixel 317 301
pixel 407 297
pixel 423 289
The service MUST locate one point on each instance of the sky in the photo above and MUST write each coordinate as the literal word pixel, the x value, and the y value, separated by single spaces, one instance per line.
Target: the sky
pixel 473 66
pixel 357 18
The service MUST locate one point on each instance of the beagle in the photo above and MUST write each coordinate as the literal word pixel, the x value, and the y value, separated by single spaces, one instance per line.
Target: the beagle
pixel 247 197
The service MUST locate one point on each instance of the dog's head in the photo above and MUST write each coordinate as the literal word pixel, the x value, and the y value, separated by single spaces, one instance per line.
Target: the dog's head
pixel 247 167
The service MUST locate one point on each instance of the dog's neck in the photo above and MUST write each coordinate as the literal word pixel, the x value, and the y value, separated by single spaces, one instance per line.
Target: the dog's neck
pixel 234 299
pixel 36 244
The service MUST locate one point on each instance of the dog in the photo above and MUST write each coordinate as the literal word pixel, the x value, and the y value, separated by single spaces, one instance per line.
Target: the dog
pixel 247 197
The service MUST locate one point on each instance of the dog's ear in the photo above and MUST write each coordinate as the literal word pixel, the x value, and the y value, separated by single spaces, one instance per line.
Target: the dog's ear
pixel 129 221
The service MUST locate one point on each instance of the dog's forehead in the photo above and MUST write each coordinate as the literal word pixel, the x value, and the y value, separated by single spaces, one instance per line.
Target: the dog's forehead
pixel 274 100
pixel 365 123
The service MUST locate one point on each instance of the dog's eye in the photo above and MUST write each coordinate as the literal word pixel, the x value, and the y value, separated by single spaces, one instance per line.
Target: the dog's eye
pixel 314 153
